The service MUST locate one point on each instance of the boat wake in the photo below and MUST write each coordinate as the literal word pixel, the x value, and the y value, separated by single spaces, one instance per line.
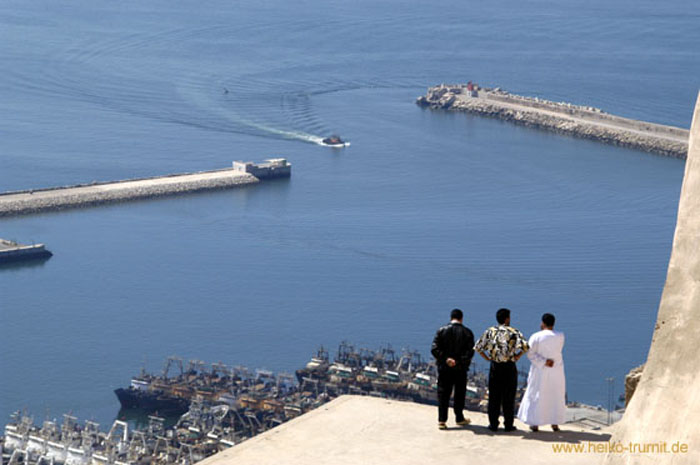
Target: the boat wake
pixel 281 105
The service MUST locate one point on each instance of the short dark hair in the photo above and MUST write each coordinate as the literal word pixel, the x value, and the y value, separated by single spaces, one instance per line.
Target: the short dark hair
pixel 548 320
pixel 456 314
pixel 502 315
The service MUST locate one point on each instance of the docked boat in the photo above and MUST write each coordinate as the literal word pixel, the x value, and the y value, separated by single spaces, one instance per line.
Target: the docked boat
pixel 151 401
pixel 11 251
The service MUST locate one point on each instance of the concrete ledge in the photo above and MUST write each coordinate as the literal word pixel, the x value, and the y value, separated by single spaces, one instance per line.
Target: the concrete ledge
pixel 563 118
pixel 367 430
pixel 25 202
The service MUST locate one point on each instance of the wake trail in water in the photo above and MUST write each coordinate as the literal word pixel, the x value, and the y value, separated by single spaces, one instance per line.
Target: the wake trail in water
pixel 264 103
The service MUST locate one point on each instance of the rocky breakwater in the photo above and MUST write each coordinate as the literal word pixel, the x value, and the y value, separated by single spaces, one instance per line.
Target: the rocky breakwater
pixel 565 118
pixel 40 200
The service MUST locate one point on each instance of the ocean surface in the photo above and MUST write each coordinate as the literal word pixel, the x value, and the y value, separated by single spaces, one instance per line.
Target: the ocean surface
pixel 375 243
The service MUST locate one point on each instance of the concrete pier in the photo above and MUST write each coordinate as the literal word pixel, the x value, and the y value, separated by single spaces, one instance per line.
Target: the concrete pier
pixel 561 117
pixel 41 200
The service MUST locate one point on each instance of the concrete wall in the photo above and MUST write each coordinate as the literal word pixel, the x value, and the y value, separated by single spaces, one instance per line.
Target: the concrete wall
pixel 666 404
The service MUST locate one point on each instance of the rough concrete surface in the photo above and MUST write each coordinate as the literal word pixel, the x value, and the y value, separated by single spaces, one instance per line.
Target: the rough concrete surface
pixel 564 118
pixel 24 202
pixel 367 430
pixel 631 382
pixel 666 403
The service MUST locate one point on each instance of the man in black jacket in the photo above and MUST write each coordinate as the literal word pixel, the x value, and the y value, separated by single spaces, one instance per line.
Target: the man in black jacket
pixel 453 349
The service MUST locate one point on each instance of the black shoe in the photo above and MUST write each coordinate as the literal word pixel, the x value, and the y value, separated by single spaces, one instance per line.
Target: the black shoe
pixel 493 428
pixel 508 429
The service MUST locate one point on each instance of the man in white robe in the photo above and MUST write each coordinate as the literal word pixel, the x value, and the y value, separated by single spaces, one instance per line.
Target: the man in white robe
pixel 544 400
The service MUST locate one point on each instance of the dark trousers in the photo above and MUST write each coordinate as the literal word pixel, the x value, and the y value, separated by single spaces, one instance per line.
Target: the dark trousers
pixel 447 380
pixel 503 382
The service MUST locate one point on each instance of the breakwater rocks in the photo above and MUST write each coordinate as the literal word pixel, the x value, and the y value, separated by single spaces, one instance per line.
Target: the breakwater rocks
pixel 564 118
pixel 34 201
pixel 52 199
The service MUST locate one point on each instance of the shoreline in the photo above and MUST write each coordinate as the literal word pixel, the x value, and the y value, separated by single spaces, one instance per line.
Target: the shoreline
pixel 560 117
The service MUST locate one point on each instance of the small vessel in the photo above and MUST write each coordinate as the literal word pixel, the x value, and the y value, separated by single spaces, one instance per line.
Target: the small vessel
pixel 334 141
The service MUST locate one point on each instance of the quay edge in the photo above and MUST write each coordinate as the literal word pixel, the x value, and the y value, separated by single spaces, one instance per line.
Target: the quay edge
pixel 84 195
pixel 561 117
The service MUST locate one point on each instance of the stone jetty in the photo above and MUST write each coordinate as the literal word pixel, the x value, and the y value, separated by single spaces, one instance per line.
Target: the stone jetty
pixel 565 118
pixel 97 193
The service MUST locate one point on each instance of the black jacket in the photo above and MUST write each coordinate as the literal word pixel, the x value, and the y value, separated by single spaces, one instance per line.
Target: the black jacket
pixel 453 341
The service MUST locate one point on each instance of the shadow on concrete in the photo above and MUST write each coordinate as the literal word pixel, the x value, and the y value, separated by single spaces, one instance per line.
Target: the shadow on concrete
pixel 542 435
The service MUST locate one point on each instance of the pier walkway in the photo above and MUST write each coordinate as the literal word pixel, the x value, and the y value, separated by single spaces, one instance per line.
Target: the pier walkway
pixel 33 201
pixel 566 118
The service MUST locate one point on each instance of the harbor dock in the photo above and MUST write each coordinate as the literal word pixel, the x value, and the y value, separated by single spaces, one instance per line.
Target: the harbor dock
pixel 97 193
pixel 565 118
pixel 12 251
pixel 219 406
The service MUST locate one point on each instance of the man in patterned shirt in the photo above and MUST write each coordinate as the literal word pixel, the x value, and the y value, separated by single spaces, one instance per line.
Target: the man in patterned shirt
pixel 502 345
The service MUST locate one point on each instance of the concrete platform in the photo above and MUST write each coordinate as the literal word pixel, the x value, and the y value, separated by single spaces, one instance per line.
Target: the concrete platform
pixel 367 430
pixel 33 201
pixel 563 118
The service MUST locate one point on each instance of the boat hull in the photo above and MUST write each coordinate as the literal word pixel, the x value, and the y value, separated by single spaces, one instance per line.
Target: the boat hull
pixel 151 401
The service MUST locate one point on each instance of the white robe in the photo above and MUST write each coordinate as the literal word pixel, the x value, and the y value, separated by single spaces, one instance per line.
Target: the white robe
pixel 544 399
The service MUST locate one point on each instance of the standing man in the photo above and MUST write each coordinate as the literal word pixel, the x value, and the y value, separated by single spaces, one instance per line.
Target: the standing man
pixel 502 345
pixel 544 402
pixel 453 349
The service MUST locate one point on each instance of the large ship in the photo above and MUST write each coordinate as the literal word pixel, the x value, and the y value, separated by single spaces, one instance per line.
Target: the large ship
pixel 11 251
pixel 140 395
pixel 162 394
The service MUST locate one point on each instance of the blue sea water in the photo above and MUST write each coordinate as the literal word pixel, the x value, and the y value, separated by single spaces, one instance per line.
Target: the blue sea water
pixel 374 243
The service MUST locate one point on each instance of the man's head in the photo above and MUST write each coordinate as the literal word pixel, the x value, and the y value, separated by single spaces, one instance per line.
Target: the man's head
pixel 503 316
pixel 547 321
pixel 456 314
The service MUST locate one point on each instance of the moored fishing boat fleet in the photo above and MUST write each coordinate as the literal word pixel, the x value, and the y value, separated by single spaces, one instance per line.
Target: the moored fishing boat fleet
pixel 213 407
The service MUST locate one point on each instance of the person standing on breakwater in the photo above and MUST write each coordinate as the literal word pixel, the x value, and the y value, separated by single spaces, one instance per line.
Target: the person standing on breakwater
pixel 544 402
pixel 453 349
pixel 502 345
